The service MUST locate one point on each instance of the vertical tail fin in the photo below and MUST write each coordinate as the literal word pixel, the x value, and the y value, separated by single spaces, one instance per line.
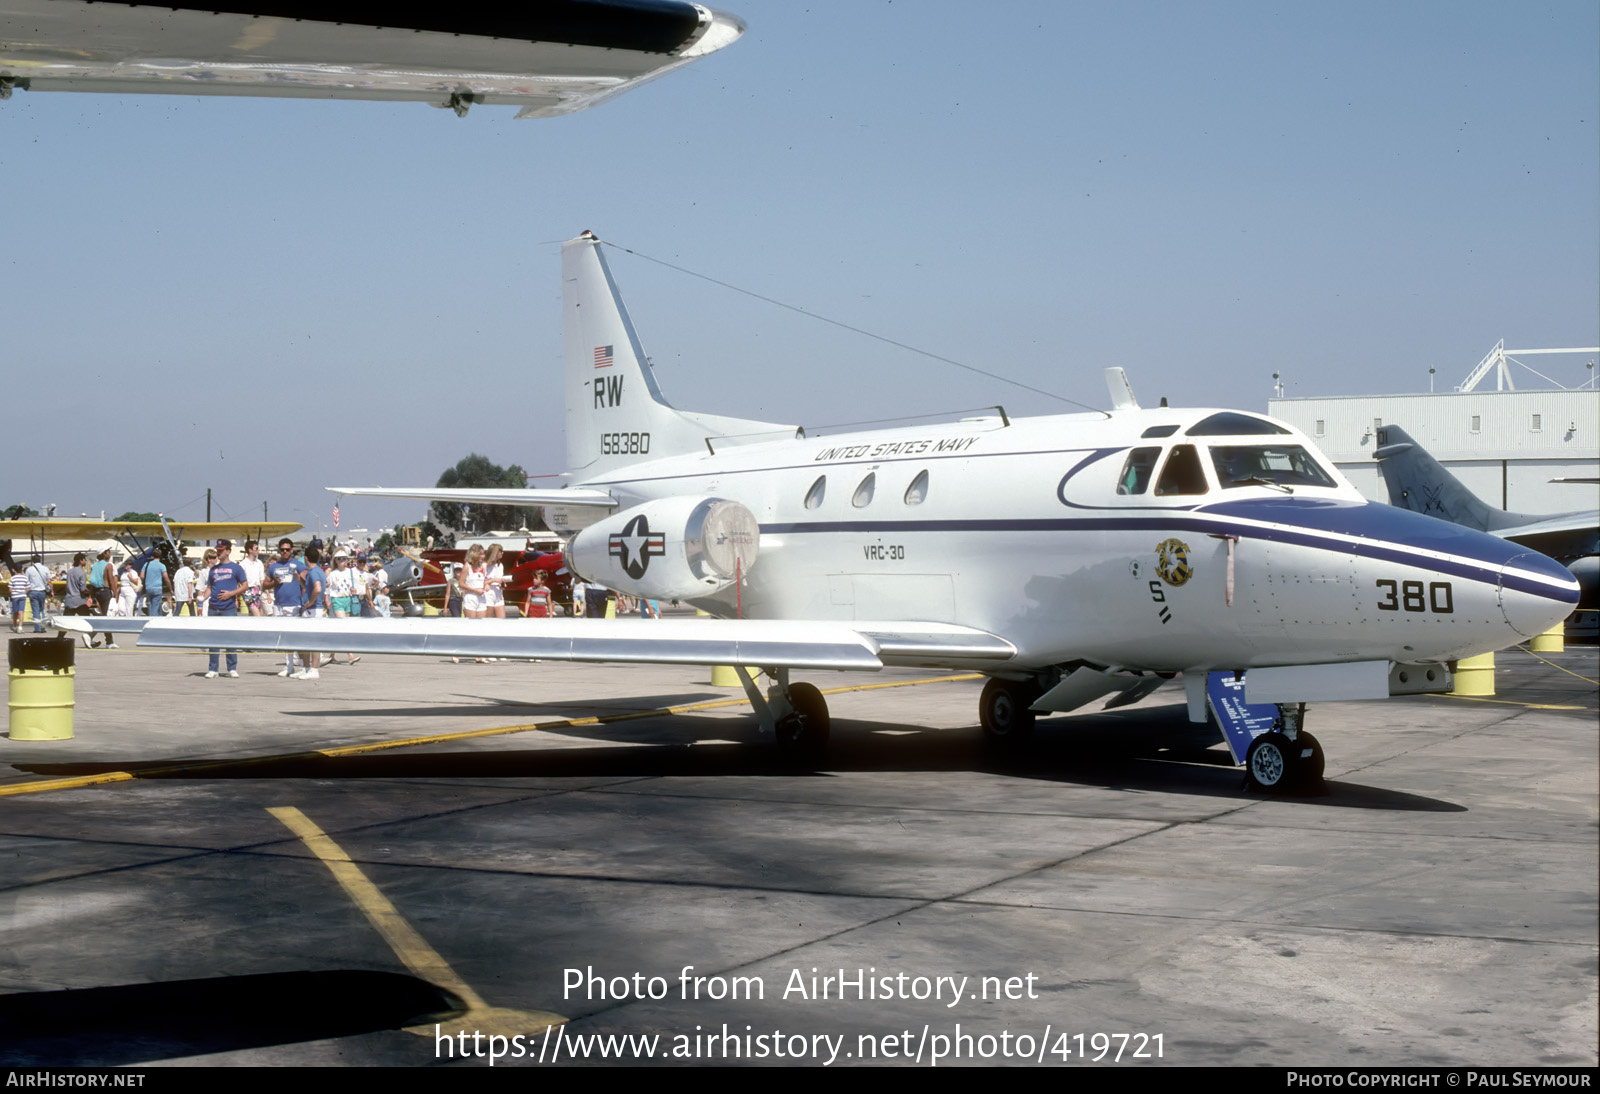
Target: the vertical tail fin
pixel 1420 483
pixel 616 415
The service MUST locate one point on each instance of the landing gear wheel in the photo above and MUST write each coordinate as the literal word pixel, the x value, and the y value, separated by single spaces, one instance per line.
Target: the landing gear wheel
pixel 1310 764
pixel 1003 711
pixel 1274 763
pixel 803 733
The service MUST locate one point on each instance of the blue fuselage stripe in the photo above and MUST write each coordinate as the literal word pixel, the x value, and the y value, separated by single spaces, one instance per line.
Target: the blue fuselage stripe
pixel 1489 573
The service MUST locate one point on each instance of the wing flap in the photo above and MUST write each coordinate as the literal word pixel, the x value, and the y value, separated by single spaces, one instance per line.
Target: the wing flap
pixel 910 643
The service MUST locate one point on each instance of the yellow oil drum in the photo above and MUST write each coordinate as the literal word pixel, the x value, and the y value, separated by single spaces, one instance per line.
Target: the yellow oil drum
pixel 726 676
pixel 1475 675
pixel 1553 640
pixel 42 679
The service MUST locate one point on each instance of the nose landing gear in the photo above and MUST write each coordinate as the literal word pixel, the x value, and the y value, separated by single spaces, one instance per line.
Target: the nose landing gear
pixel 1286 759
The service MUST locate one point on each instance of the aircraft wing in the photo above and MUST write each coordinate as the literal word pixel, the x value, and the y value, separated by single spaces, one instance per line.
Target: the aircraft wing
pixel 553 57
pixel 53 529
pixel 764 643
pixel 504 495
pixel 1557 525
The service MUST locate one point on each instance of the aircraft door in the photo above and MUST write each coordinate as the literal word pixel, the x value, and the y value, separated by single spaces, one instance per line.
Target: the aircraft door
pixel 895 596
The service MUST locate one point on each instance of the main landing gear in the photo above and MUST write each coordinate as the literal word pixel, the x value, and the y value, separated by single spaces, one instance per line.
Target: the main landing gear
pixel 803 732
pixel 1285 759
pixel 1005 711
pixel 797 714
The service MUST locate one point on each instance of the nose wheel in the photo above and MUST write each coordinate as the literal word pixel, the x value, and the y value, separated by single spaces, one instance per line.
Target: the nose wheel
pixel 1277 764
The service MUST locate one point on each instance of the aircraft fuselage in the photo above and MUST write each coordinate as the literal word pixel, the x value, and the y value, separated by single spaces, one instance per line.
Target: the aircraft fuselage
pixel 1019 528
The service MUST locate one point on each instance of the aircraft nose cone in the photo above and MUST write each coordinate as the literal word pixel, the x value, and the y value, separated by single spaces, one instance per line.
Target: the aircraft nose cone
pixel 1536 593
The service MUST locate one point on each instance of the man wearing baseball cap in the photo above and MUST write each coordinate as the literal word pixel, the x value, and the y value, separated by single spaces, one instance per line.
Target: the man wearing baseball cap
pixel 228 581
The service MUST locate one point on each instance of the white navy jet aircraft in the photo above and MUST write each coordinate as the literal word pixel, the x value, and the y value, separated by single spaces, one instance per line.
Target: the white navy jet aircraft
pixel 1069 558
pixel 551 57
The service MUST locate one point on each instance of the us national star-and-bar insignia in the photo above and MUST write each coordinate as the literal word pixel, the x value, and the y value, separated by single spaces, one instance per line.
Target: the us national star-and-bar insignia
pixel 636 545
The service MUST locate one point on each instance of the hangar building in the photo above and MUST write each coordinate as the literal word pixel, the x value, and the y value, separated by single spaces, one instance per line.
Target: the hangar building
pixel 1503 445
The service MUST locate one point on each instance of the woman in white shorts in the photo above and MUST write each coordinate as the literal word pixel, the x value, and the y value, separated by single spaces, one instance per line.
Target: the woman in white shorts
pixel 495 579
pixel 474 585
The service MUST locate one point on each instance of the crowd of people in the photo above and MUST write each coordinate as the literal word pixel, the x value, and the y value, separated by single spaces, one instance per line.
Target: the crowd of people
pixel 293 582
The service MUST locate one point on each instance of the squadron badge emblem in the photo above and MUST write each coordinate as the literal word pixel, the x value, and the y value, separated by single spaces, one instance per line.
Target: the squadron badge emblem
pixel 1172 562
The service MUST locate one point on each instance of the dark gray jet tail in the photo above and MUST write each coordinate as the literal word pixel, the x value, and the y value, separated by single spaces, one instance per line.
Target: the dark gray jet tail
pixel 1420 483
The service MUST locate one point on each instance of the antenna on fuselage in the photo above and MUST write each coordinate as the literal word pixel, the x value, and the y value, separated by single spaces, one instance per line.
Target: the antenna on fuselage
pixel 1122 397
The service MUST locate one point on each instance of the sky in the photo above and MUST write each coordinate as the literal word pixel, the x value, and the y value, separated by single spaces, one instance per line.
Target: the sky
pixel 263 297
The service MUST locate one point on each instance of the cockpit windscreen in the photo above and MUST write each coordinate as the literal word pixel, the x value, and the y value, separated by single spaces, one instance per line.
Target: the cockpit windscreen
pixel 1267 465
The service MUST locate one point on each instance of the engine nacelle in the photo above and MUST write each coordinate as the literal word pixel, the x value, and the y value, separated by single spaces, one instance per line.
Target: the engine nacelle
pixel 402 573
pixel 670 549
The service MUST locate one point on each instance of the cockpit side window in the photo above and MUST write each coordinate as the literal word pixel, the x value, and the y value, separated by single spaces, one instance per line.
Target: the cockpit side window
pixel 1136 471
pixel 1183 473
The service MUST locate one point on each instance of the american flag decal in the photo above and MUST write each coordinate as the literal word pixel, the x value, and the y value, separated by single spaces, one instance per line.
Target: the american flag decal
pixel 602 357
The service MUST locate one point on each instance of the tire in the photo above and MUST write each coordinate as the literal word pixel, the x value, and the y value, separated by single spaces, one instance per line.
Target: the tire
pixel 1310 766
pixel 1272 763
pixel 805 731
pixel 1003 711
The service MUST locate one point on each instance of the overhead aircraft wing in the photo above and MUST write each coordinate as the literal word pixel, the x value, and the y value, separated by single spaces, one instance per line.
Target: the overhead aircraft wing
pixel 792 644
pixel 551 57
pixel 504 495
pixel 53 529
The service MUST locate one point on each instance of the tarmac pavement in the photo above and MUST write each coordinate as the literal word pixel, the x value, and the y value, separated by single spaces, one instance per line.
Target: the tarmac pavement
pixel 247 872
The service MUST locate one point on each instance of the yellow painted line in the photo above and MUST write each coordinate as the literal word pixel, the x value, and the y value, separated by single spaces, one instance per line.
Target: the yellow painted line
pixel 78 782
pixel 409 946
pixel 907 683
pixel 67 784
pixel 1553 665
pixel 1510 703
